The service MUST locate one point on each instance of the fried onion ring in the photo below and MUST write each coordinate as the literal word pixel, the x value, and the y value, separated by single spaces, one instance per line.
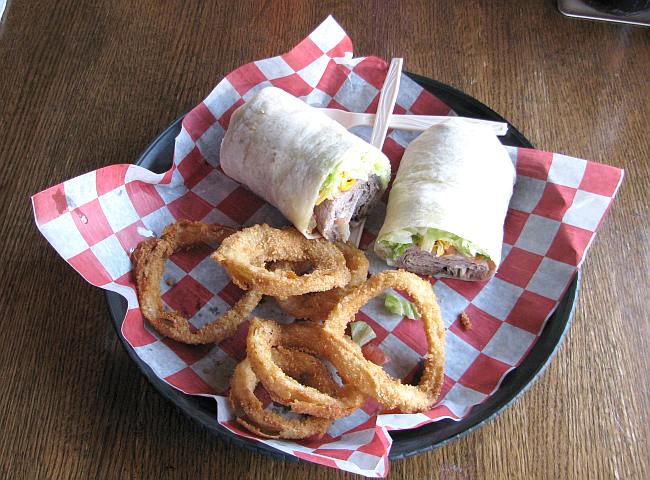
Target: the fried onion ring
pixel 149 264
pixel 263 335
pixel 316 306
pixel 370 378
pixel 245 254
pixel 269 424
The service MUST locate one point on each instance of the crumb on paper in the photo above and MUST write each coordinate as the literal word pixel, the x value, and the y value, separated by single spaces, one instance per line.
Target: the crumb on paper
pixel 465 321
pixel 169 282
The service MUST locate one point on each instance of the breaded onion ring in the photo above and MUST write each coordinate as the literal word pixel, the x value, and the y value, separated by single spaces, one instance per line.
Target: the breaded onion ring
pixel 262 337
pixel 148 266
pixel 355 261
pixel 245 254
pixel 370 378
pixel 316 306
pixel 269 424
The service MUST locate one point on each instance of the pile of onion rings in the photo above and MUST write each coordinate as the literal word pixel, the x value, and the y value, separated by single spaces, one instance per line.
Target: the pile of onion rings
pixel 323 283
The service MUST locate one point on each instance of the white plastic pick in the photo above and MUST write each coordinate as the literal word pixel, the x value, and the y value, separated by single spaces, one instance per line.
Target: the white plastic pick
pixel 387 99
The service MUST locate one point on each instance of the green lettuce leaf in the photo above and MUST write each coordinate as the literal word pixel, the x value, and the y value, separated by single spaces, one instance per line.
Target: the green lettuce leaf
pixel 354 167
pixel 398 242
pixel 400 306
pixel 361 332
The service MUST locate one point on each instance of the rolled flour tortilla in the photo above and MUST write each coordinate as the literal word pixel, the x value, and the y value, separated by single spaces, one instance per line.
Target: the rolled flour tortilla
pixel 319 175
pixel 448 204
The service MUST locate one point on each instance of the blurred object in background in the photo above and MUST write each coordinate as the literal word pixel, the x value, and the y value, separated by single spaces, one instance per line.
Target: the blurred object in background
pixel 636 12
pixel 620 7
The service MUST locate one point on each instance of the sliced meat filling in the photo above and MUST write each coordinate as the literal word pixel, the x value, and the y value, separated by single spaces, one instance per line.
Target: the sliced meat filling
pixel 333 217
pixel 455 265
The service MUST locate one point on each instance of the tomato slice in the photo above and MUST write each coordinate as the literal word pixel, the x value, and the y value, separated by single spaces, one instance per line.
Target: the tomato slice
pixel 375 354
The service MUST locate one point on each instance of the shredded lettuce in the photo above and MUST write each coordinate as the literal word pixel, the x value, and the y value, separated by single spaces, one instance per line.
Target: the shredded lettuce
pixel 361 332
pixel 353 167
pixel 400 306
pixel 399 249
pixel 430 240
pixel 330 186
pixel 329 181
pixel 382 170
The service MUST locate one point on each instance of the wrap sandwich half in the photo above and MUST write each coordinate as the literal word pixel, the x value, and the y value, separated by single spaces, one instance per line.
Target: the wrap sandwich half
pixel 319 175
pixel 448 203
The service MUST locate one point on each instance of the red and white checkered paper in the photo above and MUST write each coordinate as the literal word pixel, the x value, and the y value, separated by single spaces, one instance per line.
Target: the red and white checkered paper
pixel 94 222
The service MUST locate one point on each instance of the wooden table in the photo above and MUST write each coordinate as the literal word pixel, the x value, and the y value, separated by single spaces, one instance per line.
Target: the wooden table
pixel 89 84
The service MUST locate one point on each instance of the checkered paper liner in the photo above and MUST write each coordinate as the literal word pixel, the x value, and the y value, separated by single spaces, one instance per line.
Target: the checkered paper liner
pixel 94 222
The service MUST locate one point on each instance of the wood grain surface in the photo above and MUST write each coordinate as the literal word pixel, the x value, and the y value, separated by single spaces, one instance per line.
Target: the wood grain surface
pixel 85 84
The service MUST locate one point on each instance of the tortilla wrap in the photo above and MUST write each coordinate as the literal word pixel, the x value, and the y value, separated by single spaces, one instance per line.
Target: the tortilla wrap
pixel 284 150
pixel 456 179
